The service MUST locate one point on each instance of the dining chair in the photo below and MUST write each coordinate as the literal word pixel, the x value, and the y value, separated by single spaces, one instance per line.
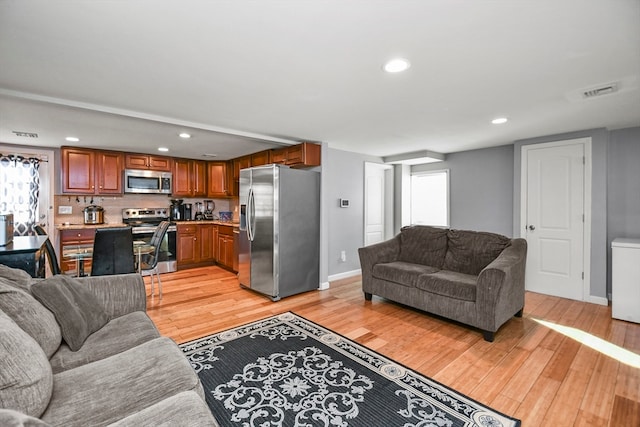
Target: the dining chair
pixel 113 251
pixel 149 262
pixel 51 253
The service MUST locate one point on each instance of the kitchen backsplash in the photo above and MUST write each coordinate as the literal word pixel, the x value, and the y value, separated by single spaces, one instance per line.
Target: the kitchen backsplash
pixel 113 206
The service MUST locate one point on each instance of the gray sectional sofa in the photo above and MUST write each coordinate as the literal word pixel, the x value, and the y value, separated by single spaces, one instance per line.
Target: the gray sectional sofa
pixel 83 352
pixel 476 278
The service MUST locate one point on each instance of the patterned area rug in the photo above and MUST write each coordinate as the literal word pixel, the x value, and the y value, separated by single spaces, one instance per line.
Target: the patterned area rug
pixel 288 371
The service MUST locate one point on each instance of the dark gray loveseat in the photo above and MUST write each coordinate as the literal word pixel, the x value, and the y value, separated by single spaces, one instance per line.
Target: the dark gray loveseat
pixel 476 278
pixel 97 361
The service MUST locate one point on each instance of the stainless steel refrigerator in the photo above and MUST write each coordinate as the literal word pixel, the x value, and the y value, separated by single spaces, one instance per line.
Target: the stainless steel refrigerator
pixel 279 242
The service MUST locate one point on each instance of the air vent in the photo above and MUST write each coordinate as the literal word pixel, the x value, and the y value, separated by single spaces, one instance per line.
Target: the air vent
pixel 600 91
pixel 26 134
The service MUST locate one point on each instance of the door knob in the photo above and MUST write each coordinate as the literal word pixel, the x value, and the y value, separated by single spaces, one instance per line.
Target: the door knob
pixel 531 227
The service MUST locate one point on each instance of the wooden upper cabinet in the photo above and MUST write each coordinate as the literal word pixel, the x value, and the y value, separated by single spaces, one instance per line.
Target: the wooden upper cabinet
pixel 302 155
pixel 217 180
pixel 109 172
pixel 146 161
pixel 240 163
pixel 261 158
pixel 189 178
pixel 91 171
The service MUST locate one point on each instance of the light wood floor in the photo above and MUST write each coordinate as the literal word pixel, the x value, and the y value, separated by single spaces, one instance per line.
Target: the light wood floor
pixel 530 371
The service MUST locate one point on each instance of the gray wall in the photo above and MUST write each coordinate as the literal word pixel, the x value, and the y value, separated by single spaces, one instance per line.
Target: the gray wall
pixel 623 189
pixel 480 188
pixel 344 178
pixel 599 146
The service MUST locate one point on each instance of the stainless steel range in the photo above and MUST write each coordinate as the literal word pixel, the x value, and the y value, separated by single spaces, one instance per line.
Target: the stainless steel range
pixel 143 222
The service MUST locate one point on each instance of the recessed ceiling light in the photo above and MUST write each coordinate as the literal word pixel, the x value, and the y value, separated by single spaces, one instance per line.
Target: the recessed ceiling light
pixel 209 155
pixel 396 65
pixel 72 139
pixel 184 135
pixel 499 120
pixel 164 149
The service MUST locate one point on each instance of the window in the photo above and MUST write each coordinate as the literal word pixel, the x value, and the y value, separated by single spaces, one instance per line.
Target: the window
pixel 430 198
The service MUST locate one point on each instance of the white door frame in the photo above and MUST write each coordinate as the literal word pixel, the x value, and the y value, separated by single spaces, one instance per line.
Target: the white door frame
pixel 586 142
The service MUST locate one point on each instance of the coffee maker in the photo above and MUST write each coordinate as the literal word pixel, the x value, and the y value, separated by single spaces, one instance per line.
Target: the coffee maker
pixel 176 212
pixel 187 211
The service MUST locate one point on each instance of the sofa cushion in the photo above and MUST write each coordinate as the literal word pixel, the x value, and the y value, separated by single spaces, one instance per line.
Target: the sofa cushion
pixel 185 409
pixel 120 334
pixel 449 284
pixel 402 273
pixel 110 389
pixel 18 278
pixel 421 244
pixel 471 251
pixel 11 418
pixel 31 316
pixel 26 381
pixel 76 309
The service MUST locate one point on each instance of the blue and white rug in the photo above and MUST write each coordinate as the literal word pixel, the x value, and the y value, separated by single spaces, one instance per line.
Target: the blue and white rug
pixel 288 371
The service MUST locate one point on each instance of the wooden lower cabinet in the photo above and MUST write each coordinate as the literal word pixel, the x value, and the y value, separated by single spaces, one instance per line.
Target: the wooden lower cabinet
pixel 226 246
pixel 195 245
pixel 74 240
pixel 205 244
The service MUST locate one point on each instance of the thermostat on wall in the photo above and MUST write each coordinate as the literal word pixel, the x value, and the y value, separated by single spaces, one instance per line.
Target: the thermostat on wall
pixel 344 203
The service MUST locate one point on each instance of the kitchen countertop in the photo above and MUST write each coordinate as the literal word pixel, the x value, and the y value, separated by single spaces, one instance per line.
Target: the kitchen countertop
pixel 73 226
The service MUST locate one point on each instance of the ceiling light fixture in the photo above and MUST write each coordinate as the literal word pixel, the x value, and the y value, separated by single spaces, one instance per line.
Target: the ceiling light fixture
pixel 163 149
pixel 499 120
pixel 184 135
pixel 72 139
pixel 396 65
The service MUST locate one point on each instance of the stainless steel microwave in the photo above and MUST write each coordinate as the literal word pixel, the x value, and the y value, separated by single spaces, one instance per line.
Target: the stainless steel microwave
pixel 147 182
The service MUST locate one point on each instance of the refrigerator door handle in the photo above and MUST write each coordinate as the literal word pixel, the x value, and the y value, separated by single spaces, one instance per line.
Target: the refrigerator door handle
pixel 250 215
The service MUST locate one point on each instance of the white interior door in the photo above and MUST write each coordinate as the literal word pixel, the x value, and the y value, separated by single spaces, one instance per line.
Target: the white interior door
pixel 374 202
pixel 553 182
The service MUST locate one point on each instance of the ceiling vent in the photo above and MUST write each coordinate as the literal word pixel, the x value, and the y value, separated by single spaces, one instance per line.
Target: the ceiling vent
pixel 26 134
pixel 607 89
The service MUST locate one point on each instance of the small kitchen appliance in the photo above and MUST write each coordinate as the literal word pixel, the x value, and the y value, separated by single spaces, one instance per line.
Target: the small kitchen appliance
pixel 199 211
pixel 6 229
pixel 93 214
pixel 175 210
pixel 209 207
pixel 187 211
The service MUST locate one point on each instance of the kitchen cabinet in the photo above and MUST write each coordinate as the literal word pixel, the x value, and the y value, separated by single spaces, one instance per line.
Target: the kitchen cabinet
pixel 240 163
pixel 261 158
pixel 195 244
pixel 87 171
pixel 217 180
pixel 74 240
pixel 189 178
pixel 226 246
pixel 305 154
pixel 145 161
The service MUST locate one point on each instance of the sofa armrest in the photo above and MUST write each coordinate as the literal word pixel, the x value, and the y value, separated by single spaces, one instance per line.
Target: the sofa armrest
pixel 386 251
pixel 119 294
pixel 500 286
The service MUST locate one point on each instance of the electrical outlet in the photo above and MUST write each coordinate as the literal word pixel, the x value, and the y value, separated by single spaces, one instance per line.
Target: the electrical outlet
pixel 343 256
pixel 65 210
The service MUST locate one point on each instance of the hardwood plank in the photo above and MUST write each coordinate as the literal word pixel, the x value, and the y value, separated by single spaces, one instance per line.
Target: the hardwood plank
pixel 530 371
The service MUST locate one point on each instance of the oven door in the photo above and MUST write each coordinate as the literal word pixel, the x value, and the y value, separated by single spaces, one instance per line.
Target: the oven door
pixel 167 255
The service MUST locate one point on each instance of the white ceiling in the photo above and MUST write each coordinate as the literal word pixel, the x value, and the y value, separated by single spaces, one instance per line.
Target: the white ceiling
pixel 129 75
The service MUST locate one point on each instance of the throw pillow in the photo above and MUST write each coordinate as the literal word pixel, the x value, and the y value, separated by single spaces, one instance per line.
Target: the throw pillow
pixel 26 381
pixel 31 316
pixel 76 309
pixel 18 278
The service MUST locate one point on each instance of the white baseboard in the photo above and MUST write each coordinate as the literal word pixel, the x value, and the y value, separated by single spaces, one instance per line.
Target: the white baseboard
pixel 323 286
pixel 344 275
pixel 598 300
